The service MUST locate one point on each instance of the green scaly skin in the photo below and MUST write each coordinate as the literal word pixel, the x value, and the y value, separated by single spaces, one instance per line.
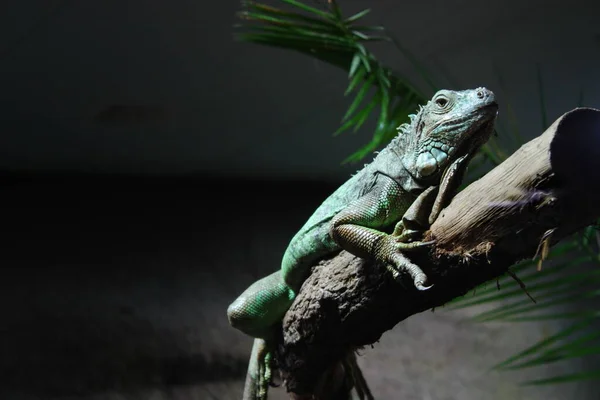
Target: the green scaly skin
pixel 425 162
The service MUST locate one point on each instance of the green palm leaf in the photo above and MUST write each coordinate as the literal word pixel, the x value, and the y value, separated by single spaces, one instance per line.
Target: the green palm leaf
pixel 573 342
pixel 328 36
pixel 551 287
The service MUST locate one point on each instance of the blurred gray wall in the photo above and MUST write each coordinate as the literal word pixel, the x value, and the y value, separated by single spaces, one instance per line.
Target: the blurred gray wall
pixel 158 87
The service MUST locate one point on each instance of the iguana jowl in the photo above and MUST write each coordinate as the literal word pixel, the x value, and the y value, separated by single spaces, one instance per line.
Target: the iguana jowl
pixel 426 161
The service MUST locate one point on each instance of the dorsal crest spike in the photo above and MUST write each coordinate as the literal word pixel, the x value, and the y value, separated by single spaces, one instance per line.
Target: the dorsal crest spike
pixel 403 128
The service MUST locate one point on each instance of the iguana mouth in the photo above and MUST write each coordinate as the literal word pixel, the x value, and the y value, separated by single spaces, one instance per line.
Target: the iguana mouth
pixel 435 157
pixel 476 139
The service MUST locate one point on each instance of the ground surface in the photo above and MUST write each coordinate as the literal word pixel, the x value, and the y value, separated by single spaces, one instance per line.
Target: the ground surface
pixel 119 290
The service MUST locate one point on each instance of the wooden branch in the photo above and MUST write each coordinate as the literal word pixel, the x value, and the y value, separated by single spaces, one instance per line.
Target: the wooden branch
pixel 546 190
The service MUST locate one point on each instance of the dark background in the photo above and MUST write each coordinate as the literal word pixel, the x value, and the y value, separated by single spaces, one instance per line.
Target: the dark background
pixel 153 168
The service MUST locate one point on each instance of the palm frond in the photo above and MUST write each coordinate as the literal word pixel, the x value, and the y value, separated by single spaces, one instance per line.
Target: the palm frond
pixel 330 37
pixel 552 288
pixel 341 41
pixel 576 341
pixel 568 378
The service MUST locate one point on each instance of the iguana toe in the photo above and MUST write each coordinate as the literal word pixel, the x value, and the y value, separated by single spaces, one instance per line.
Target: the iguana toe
pixel 399 262
pixel 403 246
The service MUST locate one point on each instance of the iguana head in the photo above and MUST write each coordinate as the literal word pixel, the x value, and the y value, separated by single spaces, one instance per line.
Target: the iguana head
pixel 451 125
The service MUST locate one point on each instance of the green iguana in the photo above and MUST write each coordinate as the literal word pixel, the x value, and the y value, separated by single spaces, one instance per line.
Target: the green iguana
pixel 406 184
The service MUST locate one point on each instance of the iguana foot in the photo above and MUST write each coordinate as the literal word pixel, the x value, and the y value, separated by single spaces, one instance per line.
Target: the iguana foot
pixel 401 245
pixel 407 236
pixel 258 378
pixel 401 263
pixel 406 233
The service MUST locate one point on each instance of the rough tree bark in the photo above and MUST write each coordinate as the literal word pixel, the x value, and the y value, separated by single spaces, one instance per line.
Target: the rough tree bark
pixel 546 190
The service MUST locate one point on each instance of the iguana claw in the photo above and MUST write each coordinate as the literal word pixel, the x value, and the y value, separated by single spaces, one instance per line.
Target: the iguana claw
pixel 419 286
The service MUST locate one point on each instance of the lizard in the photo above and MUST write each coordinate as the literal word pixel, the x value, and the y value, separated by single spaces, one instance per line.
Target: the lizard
pixel 405 187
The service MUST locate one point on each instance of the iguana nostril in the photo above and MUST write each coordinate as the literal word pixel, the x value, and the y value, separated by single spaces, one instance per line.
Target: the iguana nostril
pixel 487 96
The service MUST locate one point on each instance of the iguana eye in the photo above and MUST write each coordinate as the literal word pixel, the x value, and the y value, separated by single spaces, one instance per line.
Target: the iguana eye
pixel 441 101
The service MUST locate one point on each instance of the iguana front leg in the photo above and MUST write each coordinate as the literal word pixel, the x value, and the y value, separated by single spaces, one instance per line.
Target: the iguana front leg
pixel 427 207
pixel 414 221
pixel 451 180
pixel 355 230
